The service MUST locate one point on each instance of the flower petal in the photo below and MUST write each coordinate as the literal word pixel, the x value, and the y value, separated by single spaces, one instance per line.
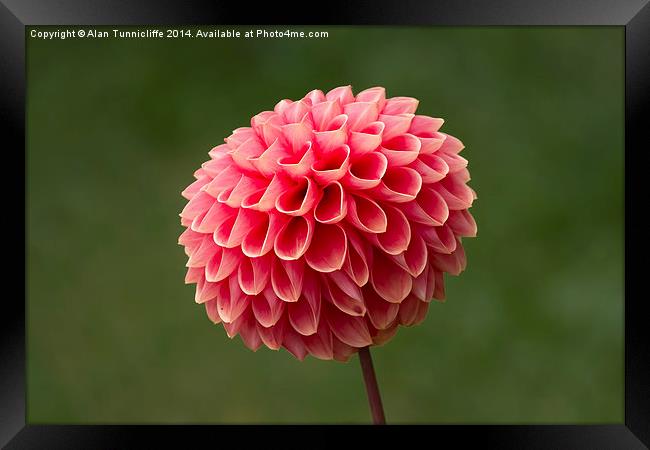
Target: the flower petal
pixel 294 238
pixel 399 185
pixel 400 105
pixel 332 206
pixel 366 172
pixel 328 247
pixel 286 279
pixel 351 330
pixel 254 274
pixel 390 281
pixel 332 166
pixel 401 150
pixel 298 200
pixel 366 214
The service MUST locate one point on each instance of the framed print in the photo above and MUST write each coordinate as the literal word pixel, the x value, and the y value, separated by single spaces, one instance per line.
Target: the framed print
pixel 425 216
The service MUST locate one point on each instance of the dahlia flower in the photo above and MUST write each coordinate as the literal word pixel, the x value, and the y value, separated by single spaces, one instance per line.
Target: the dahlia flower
pixel 327 223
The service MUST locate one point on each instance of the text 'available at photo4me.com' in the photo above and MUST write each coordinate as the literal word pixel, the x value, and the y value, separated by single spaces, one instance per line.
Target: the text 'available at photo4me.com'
pixel 175 33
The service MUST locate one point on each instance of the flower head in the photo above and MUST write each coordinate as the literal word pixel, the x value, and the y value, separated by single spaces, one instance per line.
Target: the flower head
pixel 327 223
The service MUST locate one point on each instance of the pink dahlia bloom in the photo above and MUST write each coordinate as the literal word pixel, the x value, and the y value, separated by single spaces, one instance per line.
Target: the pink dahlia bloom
pixel 327 223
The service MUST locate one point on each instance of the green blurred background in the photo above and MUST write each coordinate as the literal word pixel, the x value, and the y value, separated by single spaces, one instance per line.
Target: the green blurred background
pixel 531 332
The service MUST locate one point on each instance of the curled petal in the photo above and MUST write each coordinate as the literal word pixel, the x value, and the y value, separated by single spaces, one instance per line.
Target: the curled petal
pixel 239 136
pixel 259 119
pixel 374 94
pixel 299 164
pixel 425 126
pixel 440 239
pixel 203 252
pixel 380 312
pixel 431 144
pixel 243 189
pixel 401 150
pixel 365 214
pixel 294 343
pixel 380 337
pixel 344 293
pixel 424 284
pixel 454 161
pixel 399 185
pixel 366 172
pixel 298 200
pixel 431 168
pixel 395 125
pixel 268 125
pixel 323 113
pixel 295 112
pixel 453 263
pixel 397 236
pixel 333 205
pixel 286 279
pixel 408 310
pixel 456 193
pixel 272 336
pixel 232 329
pixel 248 331
pixel 462 223
pixel 360 114
pixel 195 187
pixel 320 344
pixel 439 291
pixel 251 148
pixel 389 280
pixel 222 264
pixel 211 311
pixel 297 134
pixel 423 308
pixel 342 351
pixel 332 166
pixel 267 162
pixel 220 152
pixel 194 274
pixel 206 291
pixel 233 230
pixel 231 301
pixel 261 238
pixel 264 198
pixel 343 94
pixel 351 330
pixel 414 258
pixel 281 106
pixel 366 139
pixel 333 136
pixel 400 105
pixel 357 259
pixel 315 97
pixel 213 218
pixel 429 208
pixel 304 315
pixel 225 179
pixel 327 250
pixel 451 144
pixel 191 240
pixel 267 307
pixel 199 204
pixel 294 238
pixel 253 274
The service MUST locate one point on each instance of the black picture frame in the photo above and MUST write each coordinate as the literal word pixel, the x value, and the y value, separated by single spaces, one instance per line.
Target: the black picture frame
pixel 633 15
